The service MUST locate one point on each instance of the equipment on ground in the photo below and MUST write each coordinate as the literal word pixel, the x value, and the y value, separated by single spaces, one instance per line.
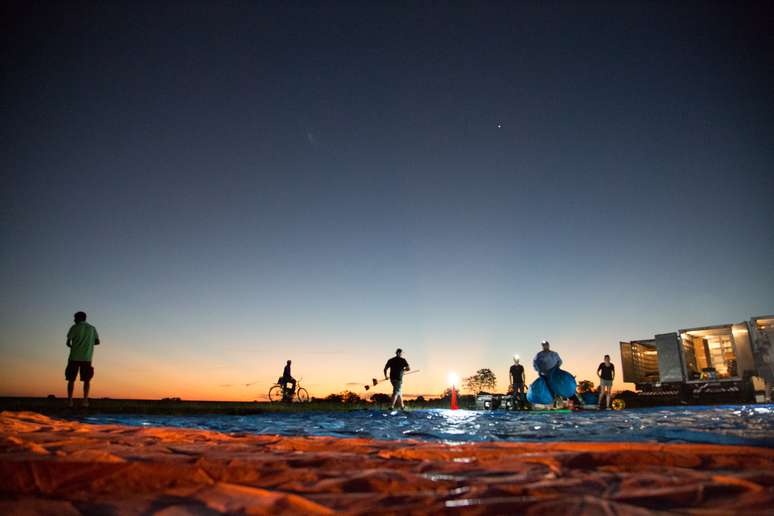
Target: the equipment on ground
pixel 376 381
pixel 546 388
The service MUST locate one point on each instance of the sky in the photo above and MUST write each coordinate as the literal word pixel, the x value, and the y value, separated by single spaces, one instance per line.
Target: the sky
pixel 222 186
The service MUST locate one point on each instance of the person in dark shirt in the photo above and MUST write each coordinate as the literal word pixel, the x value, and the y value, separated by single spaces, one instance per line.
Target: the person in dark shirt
pixel 606 373
pixel 517 378
pixel 287 378
pixel 397 366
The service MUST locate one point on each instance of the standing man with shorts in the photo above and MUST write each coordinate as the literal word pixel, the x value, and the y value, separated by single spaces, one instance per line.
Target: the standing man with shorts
pixel 606 373
pixel 397 366
pixel 81 340
pixel 517 380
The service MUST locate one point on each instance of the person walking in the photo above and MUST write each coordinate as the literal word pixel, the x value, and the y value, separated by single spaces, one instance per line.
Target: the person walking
pixel 81 339
pixel 397 366
pixel 606 374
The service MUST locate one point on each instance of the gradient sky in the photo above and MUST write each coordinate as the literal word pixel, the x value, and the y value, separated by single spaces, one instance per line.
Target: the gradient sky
pixel 222 186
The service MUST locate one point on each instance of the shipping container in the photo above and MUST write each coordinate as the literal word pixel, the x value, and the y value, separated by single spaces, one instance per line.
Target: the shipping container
pixel 703 364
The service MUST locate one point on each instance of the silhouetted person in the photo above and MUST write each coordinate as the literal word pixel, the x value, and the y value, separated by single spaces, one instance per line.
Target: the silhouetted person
pixel 606 373
pixel 518 380
pixel 397 366
pixel 81 339
pixel 287 378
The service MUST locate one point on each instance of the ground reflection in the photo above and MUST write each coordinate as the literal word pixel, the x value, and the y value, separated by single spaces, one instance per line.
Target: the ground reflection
pixel 752 425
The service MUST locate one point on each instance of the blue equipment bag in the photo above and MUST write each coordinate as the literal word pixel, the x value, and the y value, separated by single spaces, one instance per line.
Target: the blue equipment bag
pixel 562 382
pixel 538 392
pixel 555 382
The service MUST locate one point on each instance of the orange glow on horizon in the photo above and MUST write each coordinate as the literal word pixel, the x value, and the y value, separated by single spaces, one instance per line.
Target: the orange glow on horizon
pixel 119 381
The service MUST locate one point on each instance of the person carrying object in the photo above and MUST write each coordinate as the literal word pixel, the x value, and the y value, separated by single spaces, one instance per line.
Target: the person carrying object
pixel 397 366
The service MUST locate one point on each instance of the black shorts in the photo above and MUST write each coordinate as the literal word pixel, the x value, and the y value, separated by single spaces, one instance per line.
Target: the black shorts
pixel 73 366
pixel 397 386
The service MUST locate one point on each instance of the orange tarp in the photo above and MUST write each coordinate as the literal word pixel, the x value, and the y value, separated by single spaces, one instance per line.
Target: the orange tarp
pixel 50 466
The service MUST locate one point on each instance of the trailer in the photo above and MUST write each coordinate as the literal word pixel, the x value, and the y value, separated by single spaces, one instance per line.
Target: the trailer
pixel 708 364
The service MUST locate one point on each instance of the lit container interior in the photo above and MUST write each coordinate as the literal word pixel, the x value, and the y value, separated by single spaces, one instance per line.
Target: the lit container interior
pixel 713 353
pixel 639 359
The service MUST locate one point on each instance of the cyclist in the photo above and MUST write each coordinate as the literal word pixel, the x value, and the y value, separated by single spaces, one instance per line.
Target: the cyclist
pixel 286 379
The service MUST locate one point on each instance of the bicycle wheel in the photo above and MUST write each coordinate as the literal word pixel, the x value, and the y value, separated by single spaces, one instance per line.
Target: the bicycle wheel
pixel 302 395
pixel 275 393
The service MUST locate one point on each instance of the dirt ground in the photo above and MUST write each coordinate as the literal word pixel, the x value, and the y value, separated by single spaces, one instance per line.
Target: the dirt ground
pixel 51 466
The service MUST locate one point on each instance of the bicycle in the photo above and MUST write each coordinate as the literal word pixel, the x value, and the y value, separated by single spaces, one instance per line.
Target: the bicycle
pixel 284 393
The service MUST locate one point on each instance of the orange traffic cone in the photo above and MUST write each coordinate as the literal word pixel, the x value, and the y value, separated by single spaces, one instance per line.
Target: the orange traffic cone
pixel 454 399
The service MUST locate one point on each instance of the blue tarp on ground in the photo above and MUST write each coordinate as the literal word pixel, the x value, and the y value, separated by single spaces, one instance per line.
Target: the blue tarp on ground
pixel 556 382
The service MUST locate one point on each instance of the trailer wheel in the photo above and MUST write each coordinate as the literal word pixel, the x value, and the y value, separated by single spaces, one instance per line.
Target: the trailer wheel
pixel 618 404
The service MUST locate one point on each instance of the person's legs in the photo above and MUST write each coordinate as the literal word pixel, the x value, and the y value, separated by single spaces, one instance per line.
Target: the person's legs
pixel 70 387
pixel 86 386
pixel 601 394
pixel 605 388
pixel 397 392
pixel 518 392
pixel 71 373
pixel 87 373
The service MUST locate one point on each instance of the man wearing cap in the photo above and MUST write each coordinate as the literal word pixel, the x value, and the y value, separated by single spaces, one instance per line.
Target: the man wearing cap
pixel 546 361
pixel 397 366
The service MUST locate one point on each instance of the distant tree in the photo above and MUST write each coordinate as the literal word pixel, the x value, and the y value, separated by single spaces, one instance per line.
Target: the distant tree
pixel 420 399
pixel 446 393
pixel 350 397
pixel 381 398
pixel 483 380
pixel 336 398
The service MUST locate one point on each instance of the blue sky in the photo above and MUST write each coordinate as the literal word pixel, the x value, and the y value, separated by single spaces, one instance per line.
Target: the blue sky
pixel 222 187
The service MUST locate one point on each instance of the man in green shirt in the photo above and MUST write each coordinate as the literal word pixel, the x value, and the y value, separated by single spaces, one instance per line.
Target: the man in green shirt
pixel 81 340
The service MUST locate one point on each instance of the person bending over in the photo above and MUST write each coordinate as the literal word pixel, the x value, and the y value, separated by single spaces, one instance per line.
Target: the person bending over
pixel 397 366
pixel 545 362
